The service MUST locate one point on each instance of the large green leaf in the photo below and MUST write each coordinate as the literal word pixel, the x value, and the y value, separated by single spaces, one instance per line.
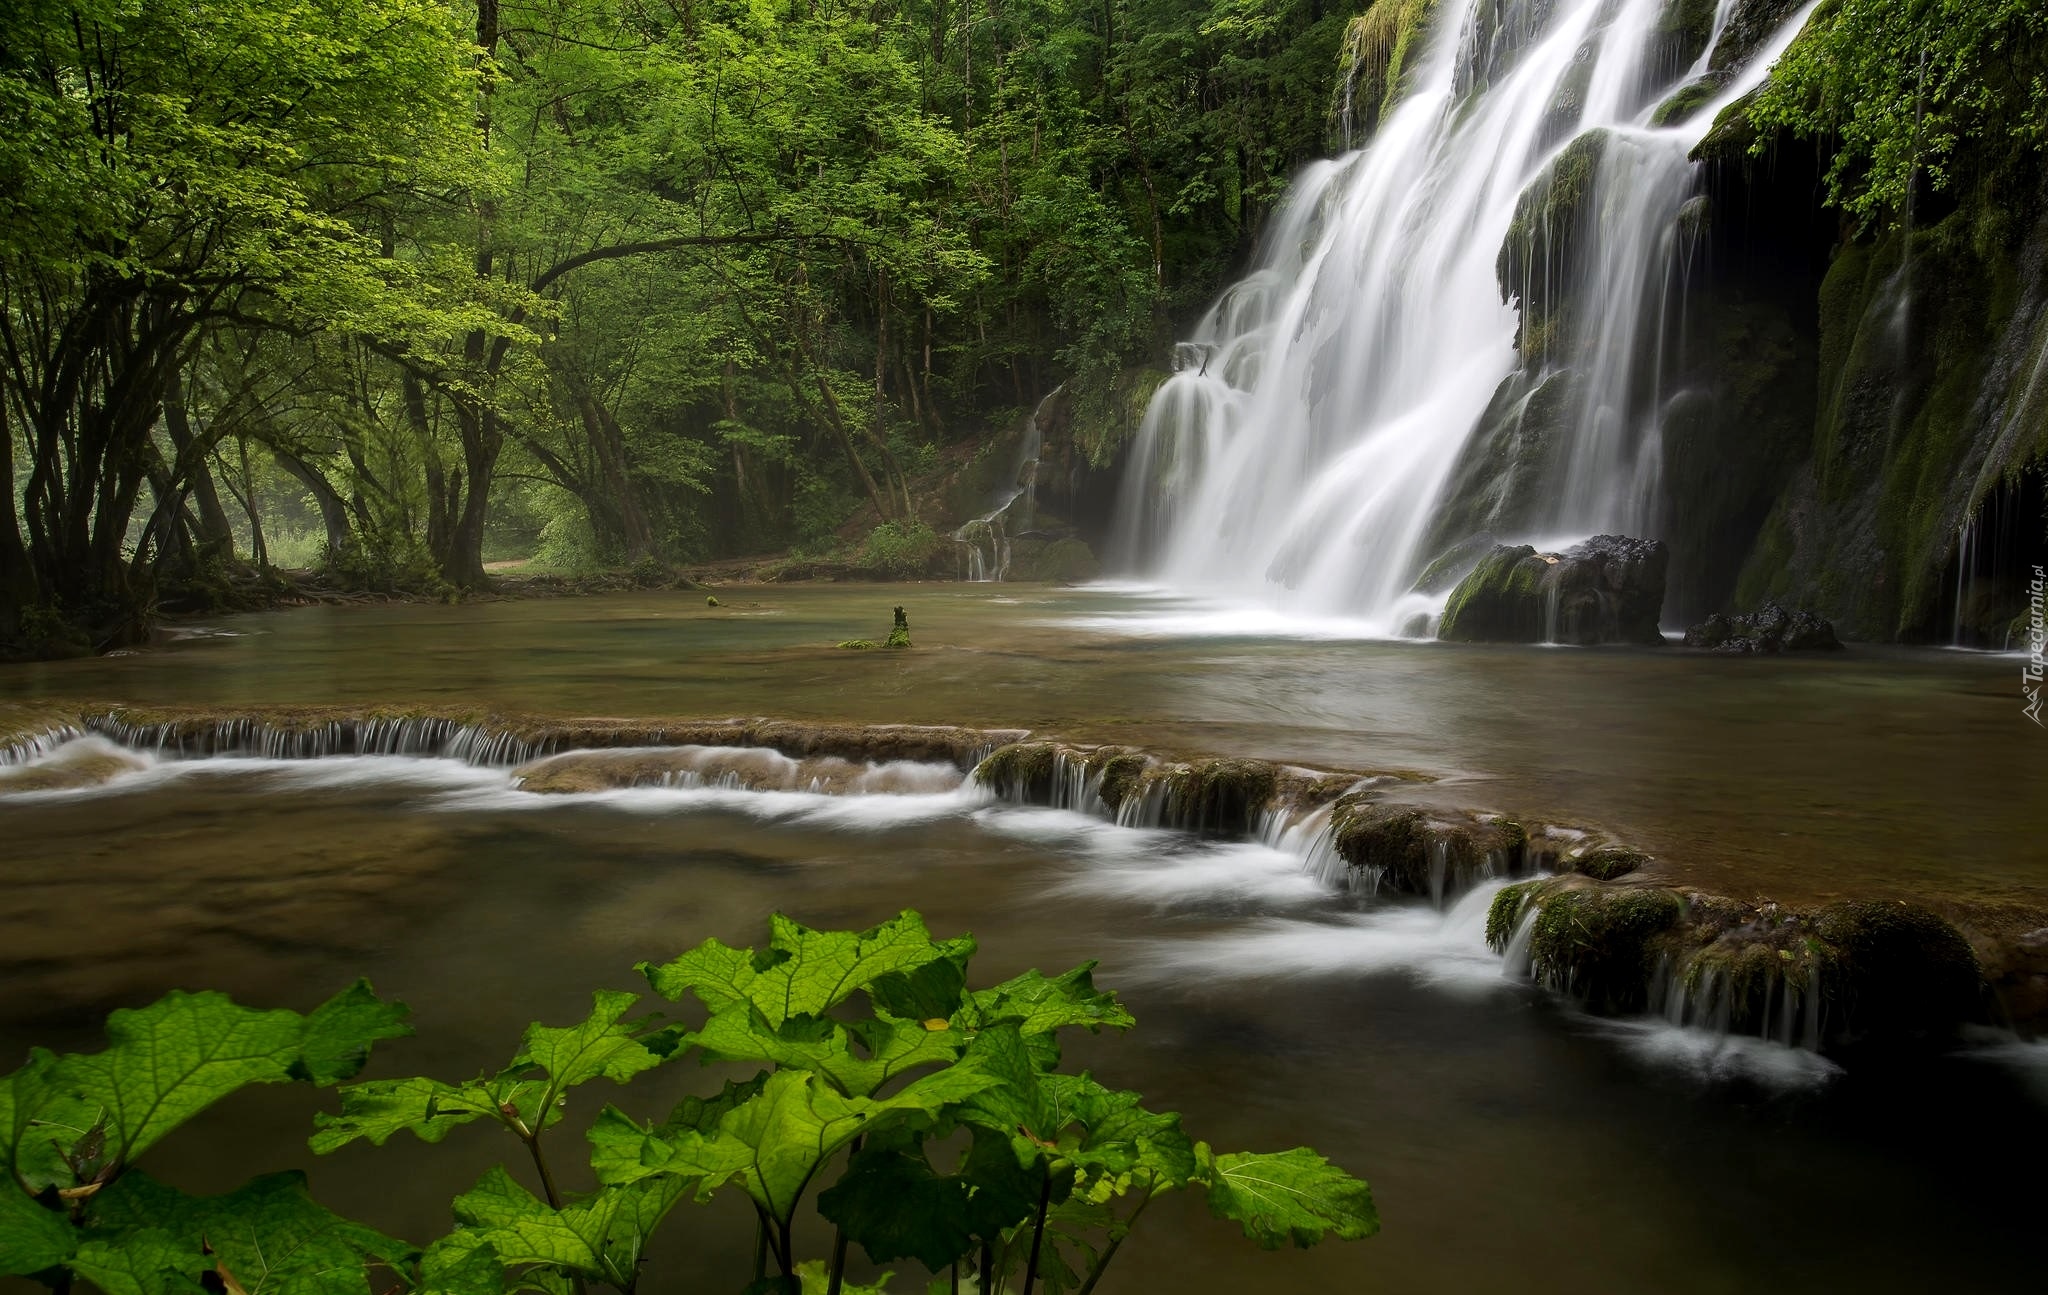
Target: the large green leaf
pixel 802 972
pixel 1041 1006
pixel 335 1041
pixel 269 1234
pixel 894 1205
pixel 773 1143
pixel 147 1261
pixel 1286 1196
pixel 932 990
pixel 602 1236
pixel 78 1119
pixel 54 1139
pixel 32 1238
pixel 889 1047
pixel 427 1108
pixel 603 1045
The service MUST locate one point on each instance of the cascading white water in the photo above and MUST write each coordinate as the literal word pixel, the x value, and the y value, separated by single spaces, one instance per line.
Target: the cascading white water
pixel 1300 452
pixel 985 540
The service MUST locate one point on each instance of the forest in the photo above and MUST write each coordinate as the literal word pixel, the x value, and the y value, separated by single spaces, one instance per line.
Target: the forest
pixel 390 287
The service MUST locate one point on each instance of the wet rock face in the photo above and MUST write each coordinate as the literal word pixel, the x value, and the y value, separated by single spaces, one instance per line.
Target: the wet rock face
pixel 1426 852
pixel 1610 589
pixel 1769 629
pixel 1850 974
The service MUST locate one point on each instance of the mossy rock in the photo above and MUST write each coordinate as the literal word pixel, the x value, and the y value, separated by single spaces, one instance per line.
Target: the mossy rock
pixel 1607 862
pixel 858 645
pixel 1683 30
pixel 1121 771
pixel 1900 972
pixel 1022 770
pixel 1421 852
pixel 1686 101
pixel 1601 944
pixel 1497 601
pixel 1220 796
pixel 1540 257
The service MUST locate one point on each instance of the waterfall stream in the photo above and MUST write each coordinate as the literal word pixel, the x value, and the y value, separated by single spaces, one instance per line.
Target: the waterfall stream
pixel 1303 452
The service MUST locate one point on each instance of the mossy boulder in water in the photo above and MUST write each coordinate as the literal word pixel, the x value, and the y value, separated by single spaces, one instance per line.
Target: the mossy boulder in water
pixel 1850 974
pixel 1610 589
pixel 1220 796
pixel 1430 852
pixel 1768 630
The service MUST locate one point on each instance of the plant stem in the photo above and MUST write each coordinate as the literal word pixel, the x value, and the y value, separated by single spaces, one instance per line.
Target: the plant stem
pixel 839 1237
pixel 547 1180
pixel 547 1185
pixel 760 1245
pixel 1109 1251
pixel 1037 1234
pixel 988 1269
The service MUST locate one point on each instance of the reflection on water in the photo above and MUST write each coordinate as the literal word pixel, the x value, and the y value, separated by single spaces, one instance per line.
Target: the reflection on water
pixel 1510 1145
pixel 1877 771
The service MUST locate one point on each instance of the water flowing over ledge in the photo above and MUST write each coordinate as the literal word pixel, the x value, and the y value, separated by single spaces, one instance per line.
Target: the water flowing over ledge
pixel 1599 924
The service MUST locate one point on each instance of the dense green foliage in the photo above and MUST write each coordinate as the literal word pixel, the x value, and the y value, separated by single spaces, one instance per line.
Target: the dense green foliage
pixel 379 285
pixel 1913 92
pixel 958 1140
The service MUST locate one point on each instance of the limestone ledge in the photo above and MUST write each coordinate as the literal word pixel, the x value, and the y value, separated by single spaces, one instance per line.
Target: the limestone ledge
pixel 1588 916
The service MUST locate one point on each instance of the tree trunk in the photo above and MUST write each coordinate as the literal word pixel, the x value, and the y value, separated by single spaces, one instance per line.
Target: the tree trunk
pixel 216 537
pixel 333 508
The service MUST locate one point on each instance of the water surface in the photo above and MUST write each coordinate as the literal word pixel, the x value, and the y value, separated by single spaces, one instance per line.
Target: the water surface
pixel 1878 771
pixel 1511 1146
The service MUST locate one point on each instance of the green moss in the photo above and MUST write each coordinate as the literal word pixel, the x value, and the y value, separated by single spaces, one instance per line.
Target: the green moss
pixel 1497 602
pixel 859 645
pixel 1121 773
pixel 1540 253
pixel 1504 914
pixel 1221 795
pixel 1609 862
pixel 1900 971
pixel 1023 769
pixel 1683 30
pixel 1687 100
pixel 1102 427
pixel 1378 53
pixel 1600 943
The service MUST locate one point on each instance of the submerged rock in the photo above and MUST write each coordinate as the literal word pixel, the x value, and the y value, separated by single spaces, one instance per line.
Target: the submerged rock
pixel 1610 589
pixel 1769 629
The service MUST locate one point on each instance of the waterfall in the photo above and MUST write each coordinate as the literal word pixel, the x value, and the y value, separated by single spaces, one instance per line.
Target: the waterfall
pixel 985 540
pixel 1304 450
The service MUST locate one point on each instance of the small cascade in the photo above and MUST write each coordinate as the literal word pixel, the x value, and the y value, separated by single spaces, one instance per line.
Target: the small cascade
pixel 27 750
pixel 1966 556
pixel 430 736
pixel 1775 1008
pixel 985 540
pixel 732 768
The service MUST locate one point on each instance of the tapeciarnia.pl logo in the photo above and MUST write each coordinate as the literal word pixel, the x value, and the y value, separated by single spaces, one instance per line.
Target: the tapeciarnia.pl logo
pixel 2037 642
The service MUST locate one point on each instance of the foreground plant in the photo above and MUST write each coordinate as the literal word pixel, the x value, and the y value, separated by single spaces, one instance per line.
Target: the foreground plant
pixel 959 1142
